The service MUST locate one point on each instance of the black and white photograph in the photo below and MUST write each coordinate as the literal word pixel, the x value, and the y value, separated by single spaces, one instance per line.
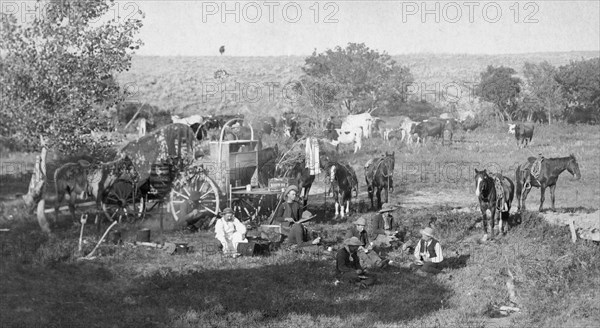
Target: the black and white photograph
pixel 302 163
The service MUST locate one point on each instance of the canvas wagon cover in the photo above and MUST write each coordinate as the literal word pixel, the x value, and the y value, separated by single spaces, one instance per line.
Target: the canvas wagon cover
pixel 173 140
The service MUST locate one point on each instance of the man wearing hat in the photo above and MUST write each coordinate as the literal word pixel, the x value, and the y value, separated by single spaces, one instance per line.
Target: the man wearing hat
pixel 289 209
pixel 347 264
pixel 190 212
pixel 368 257
pixel 230 232
pixel 428 253
pixel 381 227
pixel 299 235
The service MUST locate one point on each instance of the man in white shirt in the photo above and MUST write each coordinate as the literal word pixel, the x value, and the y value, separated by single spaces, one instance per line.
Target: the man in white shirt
pixel 428 254
pixel 230 232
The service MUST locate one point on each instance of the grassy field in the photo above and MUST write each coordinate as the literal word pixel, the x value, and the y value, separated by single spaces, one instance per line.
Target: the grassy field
pixel 44 285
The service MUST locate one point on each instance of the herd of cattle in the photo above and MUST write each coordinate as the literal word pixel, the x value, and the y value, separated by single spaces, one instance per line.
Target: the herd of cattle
pixel 350 129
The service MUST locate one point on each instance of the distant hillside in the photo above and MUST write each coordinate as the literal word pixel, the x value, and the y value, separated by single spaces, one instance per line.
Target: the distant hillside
pixel 186 85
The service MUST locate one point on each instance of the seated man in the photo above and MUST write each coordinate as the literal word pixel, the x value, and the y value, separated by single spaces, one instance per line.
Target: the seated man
pixel 290 208
pixel 190 211
pixel 382 233
pixel 298 237
pixel 368 257
pixel 347 264
pixel 229 231
pixel 428 254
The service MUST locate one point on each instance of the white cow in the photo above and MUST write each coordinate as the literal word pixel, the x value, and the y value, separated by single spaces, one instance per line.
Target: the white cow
pixel 190 120
pixel 364 121
pixel 347 136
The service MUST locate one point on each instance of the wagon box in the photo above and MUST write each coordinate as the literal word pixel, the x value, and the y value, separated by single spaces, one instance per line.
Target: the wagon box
pixel 280 183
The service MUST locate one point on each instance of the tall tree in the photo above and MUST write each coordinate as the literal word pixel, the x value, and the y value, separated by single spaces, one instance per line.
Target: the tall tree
pixel 57 71
pixel 544 93
pixel 356 76
pixel 499 86
pixel 580 82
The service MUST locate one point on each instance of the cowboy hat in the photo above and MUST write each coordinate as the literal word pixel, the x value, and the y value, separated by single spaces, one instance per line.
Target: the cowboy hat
pixel 306 216
pixel 361 221
pixel 195 196
pixel 427 232
pixel 353 241
pixel 288 189
pixel 387 207
pixel 227 210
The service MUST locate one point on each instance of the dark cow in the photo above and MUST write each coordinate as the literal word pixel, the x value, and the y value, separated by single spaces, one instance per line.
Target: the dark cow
pixel 430 128
pixel 469 125
pixel 268 124
pixel 523 133
pixel 199 131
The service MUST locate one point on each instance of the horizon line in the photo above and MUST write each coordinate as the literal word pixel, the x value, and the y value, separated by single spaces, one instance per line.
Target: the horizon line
pixel 392 55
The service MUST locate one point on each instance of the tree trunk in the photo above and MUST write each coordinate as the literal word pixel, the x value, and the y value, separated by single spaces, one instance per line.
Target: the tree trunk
pixel 34 199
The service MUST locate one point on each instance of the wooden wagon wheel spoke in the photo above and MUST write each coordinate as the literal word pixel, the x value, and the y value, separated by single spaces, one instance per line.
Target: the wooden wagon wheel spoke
pixel 119 198
pixel 208 198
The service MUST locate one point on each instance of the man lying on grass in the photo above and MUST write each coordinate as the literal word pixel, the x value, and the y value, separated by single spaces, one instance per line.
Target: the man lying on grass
pixel 298 238
pixel 428 254
pixel 347 265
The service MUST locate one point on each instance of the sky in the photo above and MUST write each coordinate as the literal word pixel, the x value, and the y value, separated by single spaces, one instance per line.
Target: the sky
pixel 276 28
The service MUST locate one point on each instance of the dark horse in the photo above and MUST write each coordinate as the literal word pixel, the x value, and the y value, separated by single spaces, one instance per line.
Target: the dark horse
pixel 300 175
pixel 495 194
pixel 86 179
pixel 342 179
pixel 267 160
pixel 379 175
pixel 550 169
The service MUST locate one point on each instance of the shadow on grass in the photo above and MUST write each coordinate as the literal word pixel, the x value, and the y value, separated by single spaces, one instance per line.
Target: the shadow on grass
pixel 302 287
pixel 456 262
pixel 89 294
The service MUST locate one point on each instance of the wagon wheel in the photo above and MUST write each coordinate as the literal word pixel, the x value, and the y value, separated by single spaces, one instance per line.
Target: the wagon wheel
pixel 119 201
pixel 243 208
pixel 209 196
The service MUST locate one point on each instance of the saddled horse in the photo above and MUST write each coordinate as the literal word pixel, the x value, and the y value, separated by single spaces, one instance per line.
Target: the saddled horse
pixel 495 195
pixel 379 175
pixel 83 179
pixel 300 175
pixel 342 180
pixel 550 169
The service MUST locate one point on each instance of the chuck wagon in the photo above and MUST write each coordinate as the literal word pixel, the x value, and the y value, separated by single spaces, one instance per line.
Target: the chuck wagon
pixel 170 171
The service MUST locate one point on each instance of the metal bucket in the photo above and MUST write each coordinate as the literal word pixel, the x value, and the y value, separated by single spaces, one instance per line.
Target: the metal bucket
pixel 181 248
pixel 143 235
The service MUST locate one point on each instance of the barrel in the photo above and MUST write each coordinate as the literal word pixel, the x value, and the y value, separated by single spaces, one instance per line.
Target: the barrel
pixel 143 235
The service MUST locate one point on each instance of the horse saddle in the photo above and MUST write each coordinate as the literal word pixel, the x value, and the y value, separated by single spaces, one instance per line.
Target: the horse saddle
pixel 500 201
pixel 536 167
